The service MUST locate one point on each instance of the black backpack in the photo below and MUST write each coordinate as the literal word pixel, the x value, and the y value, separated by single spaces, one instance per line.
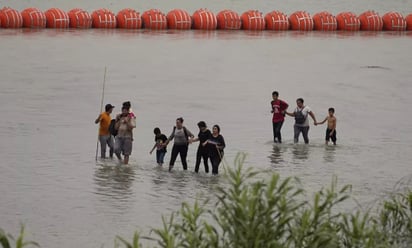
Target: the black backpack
pixel 112 130
pixel 300 118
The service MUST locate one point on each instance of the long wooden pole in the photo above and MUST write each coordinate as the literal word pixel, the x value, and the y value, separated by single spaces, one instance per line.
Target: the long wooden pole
pixel 101 109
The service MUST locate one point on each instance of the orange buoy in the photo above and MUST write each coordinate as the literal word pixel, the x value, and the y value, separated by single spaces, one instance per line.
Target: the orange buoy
pixel 129 19
pixel 393 21
pixel 325 21
pixel 252 20
pixel 204 19
pixel 154 19
pixel 33 18
pixel 56 18
pixel 228 19
pixel 408 20
pixel 277 21
pixel 79 18
pixel 178 19
pixel 10 18
pixel 348 21
pixel 301 20
pixel 370 21
pixel 103 18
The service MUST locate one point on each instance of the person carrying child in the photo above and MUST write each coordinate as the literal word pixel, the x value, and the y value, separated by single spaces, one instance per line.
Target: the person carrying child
pixel 160 146
pixel 331 128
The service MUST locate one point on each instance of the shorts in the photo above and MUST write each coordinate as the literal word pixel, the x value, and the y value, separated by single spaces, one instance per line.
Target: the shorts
pixel 124 145
pixel 330 137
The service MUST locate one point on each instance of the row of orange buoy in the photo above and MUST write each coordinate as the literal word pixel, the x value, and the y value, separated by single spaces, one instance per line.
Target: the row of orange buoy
pixel 203 19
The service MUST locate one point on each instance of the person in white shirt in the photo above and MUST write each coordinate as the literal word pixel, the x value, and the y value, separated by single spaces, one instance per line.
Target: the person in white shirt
pixel 301 113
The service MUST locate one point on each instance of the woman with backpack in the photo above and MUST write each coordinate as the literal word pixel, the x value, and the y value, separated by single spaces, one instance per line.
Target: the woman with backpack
pixel 301 121
pixel 182 137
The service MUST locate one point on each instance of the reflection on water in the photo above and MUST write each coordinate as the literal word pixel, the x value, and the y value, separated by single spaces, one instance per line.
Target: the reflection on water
pixel 300 152
pixel 276 156
pixel 329 154
pixel 114 182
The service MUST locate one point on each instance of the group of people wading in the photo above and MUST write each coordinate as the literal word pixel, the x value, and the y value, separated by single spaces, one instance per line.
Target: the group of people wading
pixel 211 144
pixel 300 113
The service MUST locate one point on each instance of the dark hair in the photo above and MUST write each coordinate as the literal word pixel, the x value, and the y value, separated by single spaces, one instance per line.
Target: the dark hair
pixel 275 93
pixel 201 124
pixel 217 127
pixel 331 110
pixel 180 119
pixel 126 105
pixel 157 130
pixel 300 100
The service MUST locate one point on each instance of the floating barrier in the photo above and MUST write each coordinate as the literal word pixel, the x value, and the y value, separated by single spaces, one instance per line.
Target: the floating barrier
pixel 10 18
pixel 348 21
pixel 178 19
pixel 203 19
pixel 33 18
pixel 129 19
pixel 79 18
pixel 324 21
pixel 276 21
pixel 252 20
pixel 228 20
pixel 370 21
pixel 154 19
pixel 56 18
pixel 393 21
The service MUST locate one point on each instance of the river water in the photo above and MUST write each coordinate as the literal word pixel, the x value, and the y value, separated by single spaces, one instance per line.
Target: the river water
pixel 51 88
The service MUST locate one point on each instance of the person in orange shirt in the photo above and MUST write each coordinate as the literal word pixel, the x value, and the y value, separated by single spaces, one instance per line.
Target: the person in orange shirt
pixel 105 138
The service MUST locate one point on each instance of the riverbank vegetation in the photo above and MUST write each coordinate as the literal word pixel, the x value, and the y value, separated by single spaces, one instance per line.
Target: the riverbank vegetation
pixel 253 212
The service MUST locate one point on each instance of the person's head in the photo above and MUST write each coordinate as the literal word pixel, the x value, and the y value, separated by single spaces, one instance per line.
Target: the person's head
pixel 216 129
pixel 299 102
pixel 179 122
pixel 109 108
pixel 275 95
pixel 125 110
pixel 201 125
pixel 331 111
pixel 127 105
pixel 157 131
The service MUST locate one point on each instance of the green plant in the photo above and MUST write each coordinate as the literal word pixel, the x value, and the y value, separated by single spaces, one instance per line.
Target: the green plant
pixel 20 243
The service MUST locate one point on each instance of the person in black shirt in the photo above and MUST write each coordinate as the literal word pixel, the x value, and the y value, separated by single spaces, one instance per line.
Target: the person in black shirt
pixel 160 144
pixel 202 151
pixel 215 145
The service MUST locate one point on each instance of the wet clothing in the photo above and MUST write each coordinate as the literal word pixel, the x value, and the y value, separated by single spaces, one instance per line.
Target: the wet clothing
pixel 330 137
pixel 278 118
pixel 106 140
pixel 160 149
pixel 304 131
pixel 277 136
pixel 124 138
pixel 202 151
pixel 123 145
pixel 180 146
pixel 216 154
pixel 305 111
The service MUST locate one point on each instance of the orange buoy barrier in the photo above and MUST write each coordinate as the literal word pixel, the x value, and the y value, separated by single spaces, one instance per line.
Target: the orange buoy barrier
pixel 33 18
pixel 79 18
pixel 277 21
pixel 370 21
pixel 10 18
pixel 204 19
pixel 178 19
pixel 154 19
pixel 56 18
pixel 301 20
pixel 348 21
pixel 228 20
pixel 252 20
pixel 324 21
pixel 129 19
pixel 408 20
pixel 103 18
pixel 393 21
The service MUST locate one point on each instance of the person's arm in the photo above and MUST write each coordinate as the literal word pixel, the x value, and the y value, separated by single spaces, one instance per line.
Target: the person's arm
pixel 222 144
pixel 131 122
pixel 313 117
pixel 290 113
pixel 320 123
pixel 172 135
pixel 153 148
pixel 98 119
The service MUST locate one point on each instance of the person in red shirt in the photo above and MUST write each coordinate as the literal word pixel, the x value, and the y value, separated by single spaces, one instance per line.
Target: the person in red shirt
pixel 278 110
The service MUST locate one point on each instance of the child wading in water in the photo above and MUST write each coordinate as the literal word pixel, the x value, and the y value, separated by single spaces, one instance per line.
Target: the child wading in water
pixel 160 146
pixel 331 129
